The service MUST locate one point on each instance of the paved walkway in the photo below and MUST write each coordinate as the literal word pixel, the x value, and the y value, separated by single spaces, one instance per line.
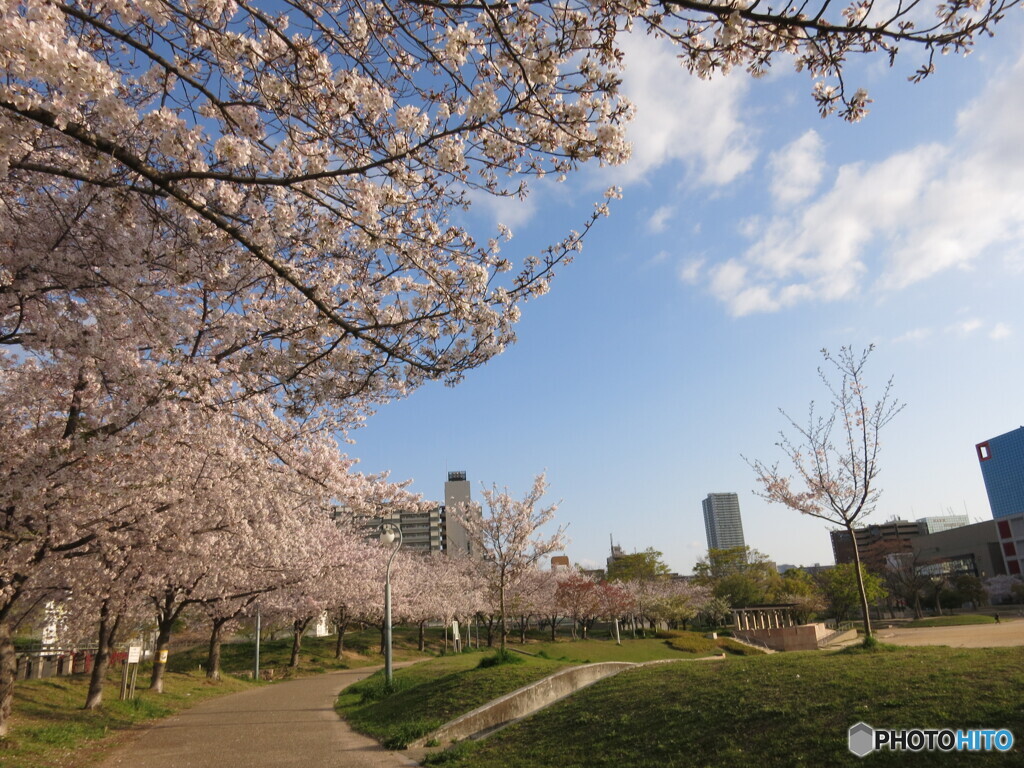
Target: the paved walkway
pixel 285 725
pixel 1009 632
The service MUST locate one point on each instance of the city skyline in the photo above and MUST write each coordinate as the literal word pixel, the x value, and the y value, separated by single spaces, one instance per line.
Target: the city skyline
pixel 748 238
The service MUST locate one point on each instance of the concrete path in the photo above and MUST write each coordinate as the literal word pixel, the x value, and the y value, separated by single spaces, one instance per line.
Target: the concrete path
pixel 1009 632
pixel 285 725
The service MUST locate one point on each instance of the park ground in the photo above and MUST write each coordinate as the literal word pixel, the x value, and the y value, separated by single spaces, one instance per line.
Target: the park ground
pixel 730 713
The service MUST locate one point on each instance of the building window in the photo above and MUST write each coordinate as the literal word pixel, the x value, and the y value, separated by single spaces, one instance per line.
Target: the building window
pixel 984 452
pixel 1004 529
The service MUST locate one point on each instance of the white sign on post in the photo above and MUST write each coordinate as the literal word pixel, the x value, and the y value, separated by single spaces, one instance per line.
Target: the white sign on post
pixel 134 654
pixel 455 631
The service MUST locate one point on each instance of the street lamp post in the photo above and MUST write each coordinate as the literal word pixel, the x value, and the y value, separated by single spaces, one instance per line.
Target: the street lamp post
pixel 390 533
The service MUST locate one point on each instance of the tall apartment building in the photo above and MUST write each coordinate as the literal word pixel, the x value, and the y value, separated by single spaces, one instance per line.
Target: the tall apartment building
pixel 722 522
pixel 433 530
pixel 456 495
pixel 1002 466
pixel 422 531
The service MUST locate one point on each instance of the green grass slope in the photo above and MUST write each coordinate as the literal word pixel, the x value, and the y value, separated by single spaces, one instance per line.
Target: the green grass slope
pixel 431 693
pixel 780 710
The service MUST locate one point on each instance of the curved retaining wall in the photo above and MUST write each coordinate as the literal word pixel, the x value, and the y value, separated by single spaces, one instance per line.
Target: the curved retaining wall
pixel 526 700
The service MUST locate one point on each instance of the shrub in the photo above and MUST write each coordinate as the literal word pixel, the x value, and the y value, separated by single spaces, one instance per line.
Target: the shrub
pixel 500 657
pixel 691 642
pixel 738 649
pixel 401 734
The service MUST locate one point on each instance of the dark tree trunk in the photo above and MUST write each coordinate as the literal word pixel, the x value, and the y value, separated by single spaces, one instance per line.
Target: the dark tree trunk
pixel 422 645
pixel 107 632
pixel 166 614
pixel 298 630
pixel 524 623
pixel 213 656
pixel 864 608
pixel 163 641
pixel 339 643
pixel 8 671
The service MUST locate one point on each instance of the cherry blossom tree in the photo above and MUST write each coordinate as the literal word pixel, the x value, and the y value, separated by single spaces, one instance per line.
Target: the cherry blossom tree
pixel 527 598
pixel 579 598
pixel 510 539
pixel 273 197
pixel 678 601
pixel 615 601
pixel 835 456
pixel 101 594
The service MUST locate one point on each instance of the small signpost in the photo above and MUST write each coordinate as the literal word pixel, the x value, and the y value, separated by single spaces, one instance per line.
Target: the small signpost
pixel 456 637
pixel 130 671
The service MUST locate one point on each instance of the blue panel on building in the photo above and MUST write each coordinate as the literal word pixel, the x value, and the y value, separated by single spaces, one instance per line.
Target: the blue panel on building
pixel 1002 466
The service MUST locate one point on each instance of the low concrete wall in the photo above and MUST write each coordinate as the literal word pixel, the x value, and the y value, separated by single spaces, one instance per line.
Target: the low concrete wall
pixel 800 638
pixel 840 637
pixel 524 701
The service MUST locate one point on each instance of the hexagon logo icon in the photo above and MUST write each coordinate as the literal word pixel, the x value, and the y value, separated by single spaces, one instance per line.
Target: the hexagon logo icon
pixel 861 739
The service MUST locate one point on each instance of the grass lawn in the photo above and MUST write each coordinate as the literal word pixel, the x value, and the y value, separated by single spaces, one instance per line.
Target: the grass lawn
pixel 433 692
pixel 668 645
pixel 436 691
pixel 780 710
pixel 959 620
pixel 50 728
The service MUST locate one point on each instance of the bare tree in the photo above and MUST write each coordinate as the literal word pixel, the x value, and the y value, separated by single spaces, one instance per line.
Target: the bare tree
pixel 508 535
pixel 834 457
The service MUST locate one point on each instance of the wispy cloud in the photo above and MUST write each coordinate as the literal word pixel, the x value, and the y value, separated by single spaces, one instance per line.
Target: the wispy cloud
pixel 690 271
pixel 970 327
pixel 914 335
pixel 681 118
pixel 1000 331
pixel 892 223
pixel 660 218
pixel 797 169
pixel 965 327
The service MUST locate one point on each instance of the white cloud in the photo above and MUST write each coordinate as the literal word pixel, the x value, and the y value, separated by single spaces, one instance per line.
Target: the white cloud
pixel 916 334
pixel 659 219
pixel 510 211
pixel 690 271
pixel 889 224
pixel 797 169
pixel 1000 331
pixel 682 118
pixel 965 327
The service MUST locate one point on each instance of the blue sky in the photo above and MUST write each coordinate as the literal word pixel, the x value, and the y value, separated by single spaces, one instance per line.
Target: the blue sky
pixel 753 233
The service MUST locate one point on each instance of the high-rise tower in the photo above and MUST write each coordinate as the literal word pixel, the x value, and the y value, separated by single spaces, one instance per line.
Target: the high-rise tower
pixel 1002 467
pixel 722 521
pixel 456 497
